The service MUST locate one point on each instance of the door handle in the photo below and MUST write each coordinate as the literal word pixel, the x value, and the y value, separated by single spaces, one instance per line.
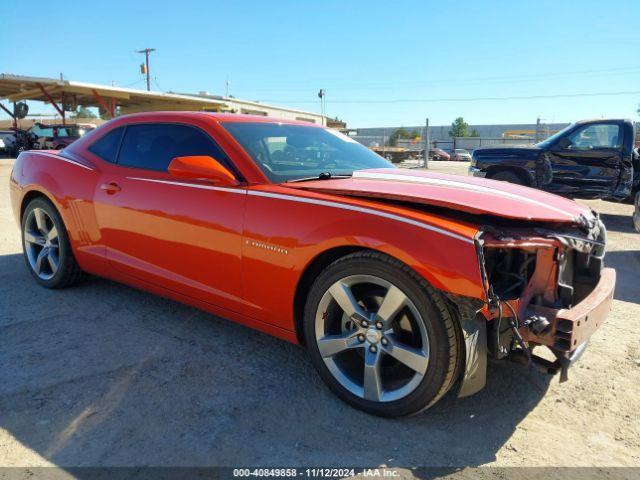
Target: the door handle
pixel 110 188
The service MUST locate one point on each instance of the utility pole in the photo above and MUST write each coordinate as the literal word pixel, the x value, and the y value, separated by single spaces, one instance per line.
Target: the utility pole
pixel 226 87
pixel 144 68
pixel 321 96
pixel 384 141
pixel 426 144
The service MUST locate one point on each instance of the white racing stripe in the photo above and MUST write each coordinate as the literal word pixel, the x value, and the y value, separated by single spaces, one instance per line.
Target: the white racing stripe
pixel 369 211
pixel 313 201
pixel 461 185
pixel 64 159
pixel 191 185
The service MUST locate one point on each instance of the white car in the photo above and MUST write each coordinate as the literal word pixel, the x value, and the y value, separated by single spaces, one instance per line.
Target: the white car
pixel 461 155
pixel 7 142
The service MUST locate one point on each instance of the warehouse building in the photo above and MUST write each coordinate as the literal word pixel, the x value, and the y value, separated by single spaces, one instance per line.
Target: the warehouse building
pixel 439 135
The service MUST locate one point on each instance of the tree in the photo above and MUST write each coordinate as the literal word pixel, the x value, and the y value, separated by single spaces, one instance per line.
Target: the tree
pixel 83 112
pixel 402 133
pixel 459 128
pixel 393 138
pixel 474 133
pixel 105 116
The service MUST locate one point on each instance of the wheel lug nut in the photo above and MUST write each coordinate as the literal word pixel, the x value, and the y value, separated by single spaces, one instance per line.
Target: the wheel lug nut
pixel 373 349
pixel 379 325
pixel 361 338
pixel 384 341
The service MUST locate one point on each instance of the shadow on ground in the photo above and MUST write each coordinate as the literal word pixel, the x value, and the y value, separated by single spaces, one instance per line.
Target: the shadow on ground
pixel 618 223
pixel 104 375
pixel 627 265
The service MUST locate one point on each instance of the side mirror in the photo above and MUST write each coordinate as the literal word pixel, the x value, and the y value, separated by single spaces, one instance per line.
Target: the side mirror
pixel 201 167
pixel 563 143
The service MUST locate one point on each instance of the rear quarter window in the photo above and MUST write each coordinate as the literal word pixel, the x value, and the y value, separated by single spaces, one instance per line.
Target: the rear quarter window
pixel 106 147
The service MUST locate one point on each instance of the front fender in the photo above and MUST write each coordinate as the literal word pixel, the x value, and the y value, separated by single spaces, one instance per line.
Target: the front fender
pixel 283 237
pixel 528 165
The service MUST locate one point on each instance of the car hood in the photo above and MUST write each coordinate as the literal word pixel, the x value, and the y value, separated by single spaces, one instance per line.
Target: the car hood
pixel 506 152
pixel 466 194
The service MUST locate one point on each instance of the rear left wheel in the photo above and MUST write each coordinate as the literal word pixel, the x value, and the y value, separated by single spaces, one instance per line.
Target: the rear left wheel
pixel 380 337
pixel 46 246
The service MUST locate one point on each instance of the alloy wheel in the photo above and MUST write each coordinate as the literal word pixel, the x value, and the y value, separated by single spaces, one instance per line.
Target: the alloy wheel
pixel 372 338
pixel 41 244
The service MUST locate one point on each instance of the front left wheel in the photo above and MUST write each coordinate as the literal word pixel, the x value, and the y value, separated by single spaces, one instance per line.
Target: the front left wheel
pixel 380 337
pixel 46 246
pixel 507 176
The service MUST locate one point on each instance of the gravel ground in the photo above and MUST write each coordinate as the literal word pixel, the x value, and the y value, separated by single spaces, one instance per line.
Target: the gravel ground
pixel 105 375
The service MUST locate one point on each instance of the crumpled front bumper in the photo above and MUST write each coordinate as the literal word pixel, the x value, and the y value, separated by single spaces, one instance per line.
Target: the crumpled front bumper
pixel 574 326
pixel 567 338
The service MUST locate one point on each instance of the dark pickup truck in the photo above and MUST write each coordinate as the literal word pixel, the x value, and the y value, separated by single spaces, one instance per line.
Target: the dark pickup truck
pixel 588 159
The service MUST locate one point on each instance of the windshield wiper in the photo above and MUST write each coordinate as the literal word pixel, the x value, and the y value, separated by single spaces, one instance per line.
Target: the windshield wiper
pixel 322 176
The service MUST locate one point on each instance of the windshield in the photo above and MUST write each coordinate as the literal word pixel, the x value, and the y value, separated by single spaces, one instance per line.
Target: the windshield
pixel 293 152
pixel 554 137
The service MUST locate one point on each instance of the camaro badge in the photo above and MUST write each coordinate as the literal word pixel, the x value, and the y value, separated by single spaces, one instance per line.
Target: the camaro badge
pixel 266 246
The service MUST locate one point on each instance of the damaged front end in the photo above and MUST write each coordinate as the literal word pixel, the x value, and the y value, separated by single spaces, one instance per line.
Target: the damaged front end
pixel 545 287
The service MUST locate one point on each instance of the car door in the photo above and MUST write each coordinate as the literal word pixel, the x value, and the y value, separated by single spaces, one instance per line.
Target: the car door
pixel 589 161
pixel 184 236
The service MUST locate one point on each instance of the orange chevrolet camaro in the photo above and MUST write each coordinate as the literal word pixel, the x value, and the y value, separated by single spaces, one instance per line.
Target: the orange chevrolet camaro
pixel 399 283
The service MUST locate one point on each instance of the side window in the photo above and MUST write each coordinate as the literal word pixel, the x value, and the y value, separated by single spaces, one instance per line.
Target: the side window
pixel 42 131
pixel 604 135
pixel 152 146
pixel 106 147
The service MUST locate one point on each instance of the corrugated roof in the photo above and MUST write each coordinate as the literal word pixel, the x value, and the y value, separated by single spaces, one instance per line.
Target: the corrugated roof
pixel 20 87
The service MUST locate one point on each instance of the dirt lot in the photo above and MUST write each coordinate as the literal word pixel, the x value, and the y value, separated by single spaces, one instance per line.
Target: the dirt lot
pixel 103 374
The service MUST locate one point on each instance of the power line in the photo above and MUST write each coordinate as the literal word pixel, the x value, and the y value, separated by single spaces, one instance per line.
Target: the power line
pixel 155 80
pixel 521 78
pixel 466 99
pixel 132 83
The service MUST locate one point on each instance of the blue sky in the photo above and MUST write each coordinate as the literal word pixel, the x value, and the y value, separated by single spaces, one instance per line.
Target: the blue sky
pixel 436 59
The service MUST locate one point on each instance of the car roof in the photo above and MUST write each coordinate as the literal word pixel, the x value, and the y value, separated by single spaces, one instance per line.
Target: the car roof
pixel 592 120
pixel 219 117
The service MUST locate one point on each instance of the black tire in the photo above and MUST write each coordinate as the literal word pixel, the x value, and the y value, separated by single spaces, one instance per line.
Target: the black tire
pixel 632 198
pixel 68 272
pixel 636 213
pixel 444 338
pixel 508 176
